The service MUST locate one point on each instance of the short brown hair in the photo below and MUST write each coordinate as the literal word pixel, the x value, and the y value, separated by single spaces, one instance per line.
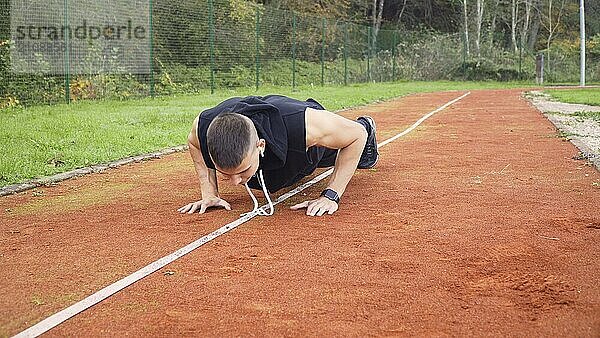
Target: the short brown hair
pixel 229 138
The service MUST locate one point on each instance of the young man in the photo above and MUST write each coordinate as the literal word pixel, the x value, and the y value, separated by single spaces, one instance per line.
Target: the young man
pixel 272 142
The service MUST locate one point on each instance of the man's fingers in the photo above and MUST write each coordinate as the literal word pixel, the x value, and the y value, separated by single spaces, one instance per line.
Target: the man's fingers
pixel 202 205
pixel 193 207
pixel 313 208
pixel 300 205
pixel 186 208
pixel 320 207
pixel 317 210
pixel 225 205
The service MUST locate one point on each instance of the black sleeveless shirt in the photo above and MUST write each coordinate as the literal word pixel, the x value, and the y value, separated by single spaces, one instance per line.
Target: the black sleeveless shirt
pixel 281 122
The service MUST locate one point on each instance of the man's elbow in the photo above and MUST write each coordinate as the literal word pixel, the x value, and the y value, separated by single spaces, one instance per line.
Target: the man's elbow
pixel 191 140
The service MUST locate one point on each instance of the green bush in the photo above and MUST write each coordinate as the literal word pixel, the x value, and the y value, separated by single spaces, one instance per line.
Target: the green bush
pixel 428 55
pixel 593 47
pixel 484 70
pixel 178 78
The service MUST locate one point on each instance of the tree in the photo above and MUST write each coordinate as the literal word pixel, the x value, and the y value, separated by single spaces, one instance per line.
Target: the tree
pixel 376 19
pixel 551 21
pixel 343 10
pixel 592 10
pixel 526 21
pixel 492 26
pixel 535 25
pixel 438 15
pixel 465 27
pixel 514 13
pixel 479 20
pixel 401 11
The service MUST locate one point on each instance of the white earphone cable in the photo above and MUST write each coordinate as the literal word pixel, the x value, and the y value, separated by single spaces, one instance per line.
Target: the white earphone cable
pixel 264 187
pixel 260 211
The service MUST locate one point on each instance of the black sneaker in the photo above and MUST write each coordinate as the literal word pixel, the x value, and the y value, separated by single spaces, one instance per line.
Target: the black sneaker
pixel 370 155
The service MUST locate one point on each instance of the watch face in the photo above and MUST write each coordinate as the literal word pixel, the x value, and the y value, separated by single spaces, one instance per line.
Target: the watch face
pixel 330 194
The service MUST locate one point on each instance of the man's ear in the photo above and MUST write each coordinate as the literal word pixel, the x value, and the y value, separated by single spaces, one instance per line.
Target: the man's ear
pixel 261 143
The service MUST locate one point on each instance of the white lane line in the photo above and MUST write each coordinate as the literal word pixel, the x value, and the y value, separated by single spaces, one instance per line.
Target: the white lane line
pixel 416 124
pixel 119 285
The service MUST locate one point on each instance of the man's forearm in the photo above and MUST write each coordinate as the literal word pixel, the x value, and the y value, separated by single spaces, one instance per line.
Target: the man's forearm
pixel 208 183
pixel 206 176
pixel 345 165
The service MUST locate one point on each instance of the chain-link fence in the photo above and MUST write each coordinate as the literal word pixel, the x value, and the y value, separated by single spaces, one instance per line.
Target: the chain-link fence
pixel 194 46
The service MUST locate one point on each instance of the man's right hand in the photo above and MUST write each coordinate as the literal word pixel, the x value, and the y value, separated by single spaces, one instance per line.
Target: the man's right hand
pixel 204 204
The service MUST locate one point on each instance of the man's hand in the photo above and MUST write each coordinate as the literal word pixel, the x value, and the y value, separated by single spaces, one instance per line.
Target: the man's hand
pixel 317 207
pixel 204 204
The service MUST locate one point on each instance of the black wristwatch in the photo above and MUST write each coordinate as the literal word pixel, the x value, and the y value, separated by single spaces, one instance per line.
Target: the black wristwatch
pixel 331 194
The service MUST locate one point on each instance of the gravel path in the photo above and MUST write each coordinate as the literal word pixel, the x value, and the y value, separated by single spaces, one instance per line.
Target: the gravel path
pixel 584 133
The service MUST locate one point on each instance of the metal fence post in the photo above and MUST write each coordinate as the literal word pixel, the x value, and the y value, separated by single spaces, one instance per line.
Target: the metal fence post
pixel 257 47
pixel 539 68
pixel 67 56
pixel 151 36
pixel 582 43
pixel 211 29
pixel 520 57
pixel 345 54
pixel 293 51
pixel 395 37
pixel 463 38
pixel 368 53
pixel 323 23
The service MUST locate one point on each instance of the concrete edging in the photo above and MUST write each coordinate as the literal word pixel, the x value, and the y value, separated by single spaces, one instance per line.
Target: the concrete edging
pixel 44 181
pixel 539 100
pixel 586 151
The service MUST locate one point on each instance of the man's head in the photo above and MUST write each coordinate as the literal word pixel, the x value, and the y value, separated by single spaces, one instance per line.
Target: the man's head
pixel 234 146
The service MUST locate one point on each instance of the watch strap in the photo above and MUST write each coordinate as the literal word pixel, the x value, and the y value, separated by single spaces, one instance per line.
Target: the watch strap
pixel 331 194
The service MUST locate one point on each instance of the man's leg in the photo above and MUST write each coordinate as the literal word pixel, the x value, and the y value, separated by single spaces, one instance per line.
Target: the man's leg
pixel 370 155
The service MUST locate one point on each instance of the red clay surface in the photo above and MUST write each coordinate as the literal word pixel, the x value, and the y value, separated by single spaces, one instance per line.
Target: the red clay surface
pixel 477 223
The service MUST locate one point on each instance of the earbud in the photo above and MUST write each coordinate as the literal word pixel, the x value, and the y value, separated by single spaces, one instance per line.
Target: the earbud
pixel 262 153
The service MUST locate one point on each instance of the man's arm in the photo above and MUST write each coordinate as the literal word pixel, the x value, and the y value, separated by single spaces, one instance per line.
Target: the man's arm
pixel 330 130
pixel 207 178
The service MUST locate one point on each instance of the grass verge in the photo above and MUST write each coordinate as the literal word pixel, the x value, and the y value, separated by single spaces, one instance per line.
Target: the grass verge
pixel 590 96
pixel 44 140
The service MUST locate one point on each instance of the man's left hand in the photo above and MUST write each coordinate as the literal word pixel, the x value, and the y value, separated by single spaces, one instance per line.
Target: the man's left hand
pixel 317 207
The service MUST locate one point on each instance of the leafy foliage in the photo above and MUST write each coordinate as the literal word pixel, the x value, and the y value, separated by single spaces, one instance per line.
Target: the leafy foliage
pixel 484 70
pixel 190 45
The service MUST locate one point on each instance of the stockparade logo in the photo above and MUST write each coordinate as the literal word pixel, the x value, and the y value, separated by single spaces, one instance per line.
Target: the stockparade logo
pixel 80 36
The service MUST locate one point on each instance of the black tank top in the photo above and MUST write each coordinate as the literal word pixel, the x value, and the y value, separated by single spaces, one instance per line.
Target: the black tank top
pixel 281 122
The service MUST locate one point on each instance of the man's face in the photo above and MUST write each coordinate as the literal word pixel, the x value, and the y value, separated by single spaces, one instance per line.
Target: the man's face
pixel 248 167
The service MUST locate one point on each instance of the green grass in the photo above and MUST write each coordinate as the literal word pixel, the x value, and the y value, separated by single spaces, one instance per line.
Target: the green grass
pixel 589 96
pixel 44 140
pixel 589 115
